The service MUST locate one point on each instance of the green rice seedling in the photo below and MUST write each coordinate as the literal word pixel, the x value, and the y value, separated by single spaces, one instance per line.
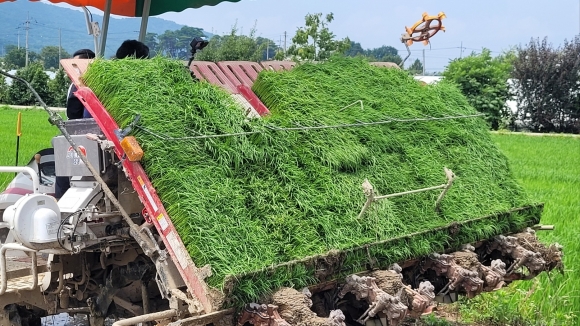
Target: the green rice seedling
pixel 549 169
pixel 267 206
pixel 36 135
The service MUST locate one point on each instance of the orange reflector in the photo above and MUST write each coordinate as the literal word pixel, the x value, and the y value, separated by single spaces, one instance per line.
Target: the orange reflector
pixel 132 149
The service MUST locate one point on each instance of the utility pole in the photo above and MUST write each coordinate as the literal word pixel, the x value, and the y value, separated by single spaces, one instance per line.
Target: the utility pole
pixel 284 43
pixel 423 62
pixel 27 28
pixel 18 32
pixel 268 49
pixel 461 51
pixel 59 45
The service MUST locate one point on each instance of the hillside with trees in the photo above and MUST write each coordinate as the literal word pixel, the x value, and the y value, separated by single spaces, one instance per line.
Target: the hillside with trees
pixel 46 21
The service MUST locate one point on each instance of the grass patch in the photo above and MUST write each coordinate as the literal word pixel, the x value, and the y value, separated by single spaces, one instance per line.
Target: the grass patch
pixel 549 169
pixel 36 135
pixel 244 204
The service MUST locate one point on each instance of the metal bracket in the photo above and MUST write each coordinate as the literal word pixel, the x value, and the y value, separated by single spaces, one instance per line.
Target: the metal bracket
pixel 541 227
pixel 522 257
pixel 421 299
pixel 122 133
pixel 369 192
pixel 380 302
pixel 493 275
pixel 458 276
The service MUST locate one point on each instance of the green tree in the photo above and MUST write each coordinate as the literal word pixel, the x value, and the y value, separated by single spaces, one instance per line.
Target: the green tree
pixel 14 57
pixel 355 49
pixel 315 41
pixel 58 88
pixel 483 80
pixel 34 74
pixel 3 91
pixel 269 48
pixel 280 55
pixel 233 47
pixel 152 42
pixel 175 44
pixel 168 43
pixel 548 83
pixel 184 37
pixel 416 68
pixel 50 56
pixel 384 53
pixel 393 58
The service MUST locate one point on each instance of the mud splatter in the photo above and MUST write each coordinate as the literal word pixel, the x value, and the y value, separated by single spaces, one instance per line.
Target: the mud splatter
pixel 292 306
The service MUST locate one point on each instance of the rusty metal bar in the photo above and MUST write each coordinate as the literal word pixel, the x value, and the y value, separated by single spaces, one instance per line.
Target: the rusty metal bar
pixel 3 279
pixel 145 318
pixel 371 197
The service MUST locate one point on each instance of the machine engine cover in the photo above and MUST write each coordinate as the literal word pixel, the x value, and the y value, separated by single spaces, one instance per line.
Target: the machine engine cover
pixel 34 220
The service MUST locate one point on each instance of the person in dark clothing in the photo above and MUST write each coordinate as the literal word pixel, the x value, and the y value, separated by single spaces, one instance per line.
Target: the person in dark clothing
pixel 132 48
pixel 74 108
pixel 129 48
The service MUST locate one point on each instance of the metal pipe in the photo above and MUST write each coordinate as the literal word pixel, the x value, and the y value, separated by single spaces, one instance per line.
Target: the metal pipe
pixel 203 319
pixel 450 178
pixel 371 198
pixel 368 203
pixel 145 318
pixel 410 192
pixel 102 260
pixel 80 310
pixel 144 20
pixel 34 271
pixel 105 29
pixel 89 20
pixel 60 281
pixel 105 215
pixel 84 275
pixel 90 29
pixel 27 170
pixel 3 279
pixel 401 65
pixel 145 298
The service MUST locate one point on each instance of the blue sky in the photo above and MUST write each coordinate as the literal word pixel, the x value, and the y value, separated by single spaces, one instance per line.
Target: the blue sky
pixel 497 25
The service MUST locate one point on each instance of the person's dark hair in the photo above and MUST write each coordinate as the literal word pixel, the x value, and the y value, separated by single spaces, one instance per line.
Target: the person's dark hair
pixel 132 48
pixel 84 54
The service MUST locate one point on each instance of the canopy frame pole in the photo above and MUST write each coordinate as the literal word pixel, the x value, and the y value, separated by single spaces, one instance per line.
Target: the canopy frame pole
pixel 144 20
pixel 105 29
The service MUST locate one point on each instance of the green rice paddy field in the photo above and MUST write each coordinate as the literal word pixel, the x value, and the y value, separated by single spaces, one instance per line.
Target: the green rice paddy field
pixel 36 135
pixel 549 169
pixel 547 166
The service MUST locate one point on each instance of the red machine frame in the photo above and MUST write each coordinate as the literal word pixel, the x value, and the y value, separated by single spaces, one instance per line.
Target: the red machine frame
pixel 148 196
pixel 235 81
